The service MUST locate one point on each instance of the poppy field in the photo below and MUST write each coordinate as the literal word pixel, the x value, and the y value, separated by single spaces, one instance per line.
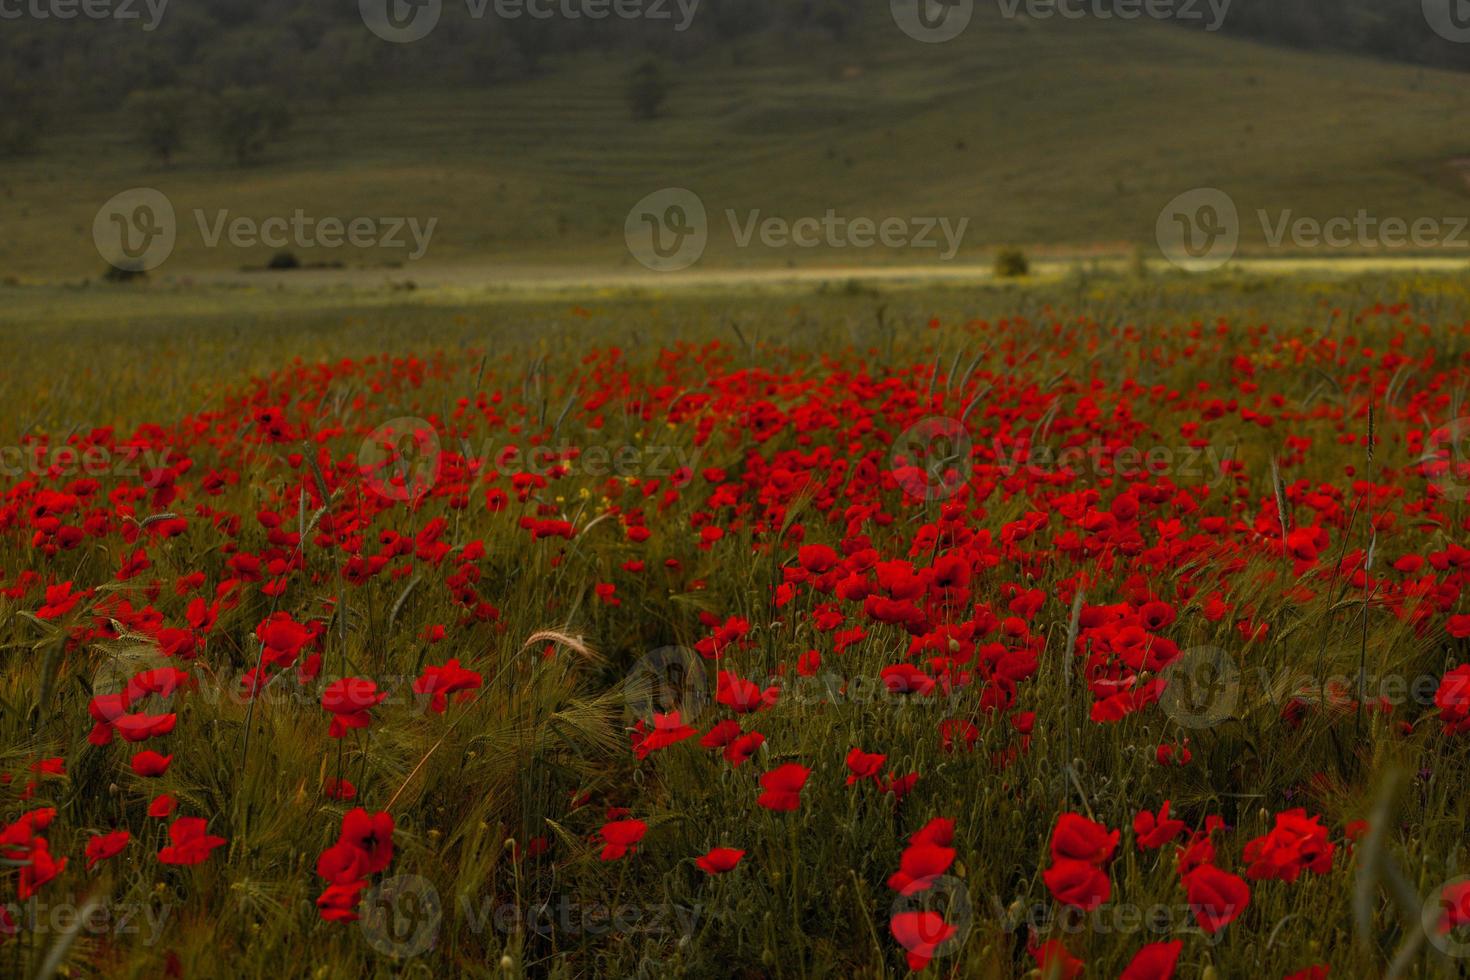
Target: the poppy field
pixel 1103 629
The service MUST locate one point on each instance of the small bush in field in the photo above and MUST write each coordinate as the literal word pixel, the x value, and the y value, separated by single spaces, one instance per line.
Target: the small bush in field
pixel 1011 263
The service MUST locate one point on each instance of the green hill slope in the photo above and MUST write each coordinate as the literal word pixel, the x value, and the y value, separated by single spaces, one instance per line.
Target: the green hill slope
pixel 1055 135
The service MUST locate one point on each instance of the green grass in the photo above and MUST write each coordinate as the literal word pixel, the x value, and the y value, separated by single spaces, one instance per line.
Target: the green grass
pixel 810 900
pixel 1052 135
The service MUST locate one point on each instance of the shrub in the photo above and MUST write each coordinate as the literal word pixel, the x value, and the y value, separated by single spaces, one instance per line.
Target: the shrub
pixel 648 89
pixel 249 119
pixel 1011 263
pixel 159 116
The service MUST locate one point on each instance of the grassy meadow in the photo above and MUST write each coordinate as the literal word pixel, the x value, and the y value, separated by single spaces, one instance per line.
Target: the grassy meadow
pixel 1075 605
pixel 681 462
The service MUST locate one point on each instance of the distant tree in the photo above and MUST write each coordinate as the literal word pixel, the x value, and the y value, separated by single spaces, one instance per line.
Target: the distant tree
pixel 249 57
pixel 735 18
pixel 249 119
pixel 308 26
pixel 344 63
pixel 24 116
pixel 648 89
pixel 836 17
pixel 160 116
pixel 533 39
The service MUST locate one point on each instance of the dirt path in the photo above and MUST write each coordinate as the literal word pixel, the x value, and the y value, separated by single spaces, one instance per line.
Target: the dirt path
pixel 485 277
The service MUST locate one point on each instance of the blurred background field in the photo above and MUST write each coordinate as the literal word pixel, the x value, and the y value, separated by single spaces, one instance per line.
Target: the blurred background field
pixel 1062 137
pixel 126 355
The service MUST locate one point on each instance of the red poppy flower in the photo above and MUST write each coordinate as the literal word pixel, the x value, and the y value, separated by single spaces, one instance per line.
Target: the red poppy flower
pixel 921 933
pixel 1055 962
pixel 348 701
pixel 339 902
pixel 719 860
pixel 920 867
pixel 722 734
pixel 371 833
pixel 1216 897
pixel 939 832
pixel 103 846
pixel 667 730
pixel 863 765
pixel 1294 843
pixel 339 789
pixel 741 695
pixel 620 837
pixel 816 558
pixel 1077 883
pixel 740 750
pixel 1076 838
pixel 343 863
pixel 1153 962
pixel 136 728
pixel 1318 972
pixel 190 844
pixel 149 764
pixel 1454 901
pixel 782 787
pixel 37 868
pixel 440 682
pixel 1153 831
pixel 1453 700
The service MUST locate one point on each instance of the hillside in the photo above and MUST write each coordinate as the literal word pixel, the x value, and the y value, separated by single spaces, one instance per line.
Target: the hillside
pixel 880 127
